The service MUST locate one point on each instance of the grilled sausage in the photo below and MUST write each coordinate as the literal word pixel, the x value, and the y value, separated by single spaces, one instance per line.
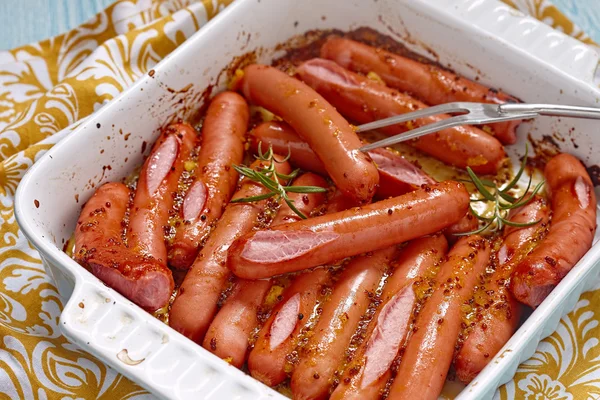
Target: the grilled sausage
pixel 428 354
pixel 352 294
pixel 367 374
pixel 431 84
pixel 397 176
pixel 233 325
pixel 279 335
pixel 570 236
pixel 196 304
pixel 222 146
pixel 320 240
pixel 228 334
pixel 329 135
pixel 501 312
pixel 99 245
pixel 157 184
pixel 364 100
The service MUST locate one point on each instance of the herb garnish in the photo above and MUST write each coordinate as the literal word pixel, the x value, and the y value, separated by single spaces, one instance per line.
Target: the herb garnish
pixel 270 179
pixel 502 201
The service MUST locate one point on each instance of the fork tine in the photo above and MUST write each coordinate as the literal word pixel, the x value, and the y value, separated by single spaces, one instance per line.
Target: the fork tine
pixel 425 112
pixel 415 133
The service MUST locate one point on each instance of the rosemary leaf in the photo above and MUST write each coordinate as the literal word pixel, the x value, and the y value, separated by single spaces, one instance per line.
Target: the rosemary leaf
pixel 506 197
pixel 291 205
pixel 480 186
pixel 254 198
pixel 305 189
pixel 268 177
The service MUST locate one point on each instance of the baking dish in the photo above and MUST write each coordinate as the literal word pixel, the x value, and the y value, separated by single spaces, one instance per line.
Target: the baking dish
pixel 477 38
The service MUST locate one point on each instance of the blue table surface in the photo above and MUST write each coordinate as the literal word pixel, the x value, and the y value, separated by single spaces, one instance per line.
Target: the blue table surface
pixel 26 21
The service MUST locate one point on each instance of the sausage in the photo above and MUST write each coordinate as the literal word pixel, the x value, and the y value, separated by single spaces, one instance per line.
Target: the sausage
pixel 338 201
pixel 500 312
pixel 156 189
pixel 320 240
pixel 279 335
pixel 269 360
pixel 467 223
pixel 364 100
pixel 329 135
pixel 368 372
pixel 428 354
pixel 570 236
pixel 284 139
pixel 397 176
pixel 304 202
pixel 431 84
pixel 228 334
pixel 215 181
pixel 196 303
pixel 325 351
pixel 99 245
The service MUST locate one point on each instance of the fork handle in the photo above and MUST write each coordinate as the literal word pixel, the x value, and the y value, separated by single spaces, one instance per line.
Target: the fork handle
pixel 553 110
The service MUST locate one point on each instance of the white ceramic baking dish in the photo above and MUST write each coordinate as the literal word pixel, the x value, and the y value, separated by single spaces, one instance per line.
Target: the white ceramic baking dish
pixel 480 38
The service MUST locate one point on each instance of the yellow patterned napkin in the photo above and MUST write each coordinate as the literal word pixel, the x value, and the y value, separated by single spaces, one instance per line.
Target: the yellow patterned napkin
pixel 47 87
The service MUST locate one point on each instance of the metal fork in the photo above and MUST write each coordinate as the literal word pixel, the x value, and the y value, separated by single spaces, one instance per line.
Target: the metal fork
pixel 471 114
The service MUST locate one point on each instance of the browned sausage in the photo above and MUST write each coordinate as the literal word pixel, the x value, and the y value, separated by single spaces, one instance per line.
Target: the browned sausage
pixel 231 329
pixel 269 361
pixel 284 139
pixel 99 245
pixel 431 84
pixel 364 100
pixel 329 135
pixel 396 175
pixel 428 354
pixel 228 334
pixel 352 294
pixel 468 223
pixel 196 304
pixel 279 336
pixel 304 202
pixel 324 239
pixel 156 187
pixel 570 235
pixel 222 146
pixel 368 372
pixel 499 312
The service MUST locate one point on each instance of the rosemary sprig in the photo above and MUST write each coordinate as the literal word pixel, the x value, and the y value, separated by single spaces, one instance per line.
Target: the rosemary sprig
pixel 270 179
pixel 501 200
